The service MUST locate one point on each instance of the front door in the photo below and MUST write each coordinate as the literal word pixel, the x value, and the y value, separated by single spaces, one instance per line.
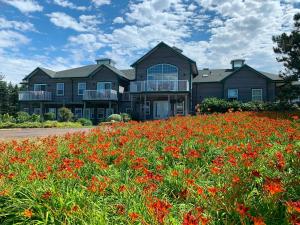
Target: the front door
pixel 161 109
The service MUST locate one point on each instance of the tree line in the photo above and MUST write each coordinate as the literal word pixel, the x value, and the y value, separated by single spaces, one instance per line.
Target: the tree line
pixel 8 97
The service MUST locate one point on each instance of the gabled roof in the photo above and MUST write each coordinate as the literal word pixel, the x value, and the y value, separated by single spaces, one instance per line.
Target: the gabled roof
pixel 81 72
pixel 218 75
pixel 162 44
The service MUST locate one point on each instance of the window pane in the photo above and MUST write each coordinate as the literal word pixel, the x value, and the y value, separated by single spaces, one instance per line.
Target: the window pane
pixel 233 93
pixel 162 72
pixel 81 88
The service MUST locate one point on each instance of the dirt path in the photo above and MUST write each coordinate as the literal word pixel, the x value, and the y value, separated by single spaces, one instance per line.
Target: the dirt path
pixel 8 134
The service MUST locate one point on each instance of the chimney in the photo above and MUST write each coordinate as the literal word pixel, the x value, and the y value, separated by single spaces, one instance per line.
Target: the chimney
pixel 105 61
pixel 237 63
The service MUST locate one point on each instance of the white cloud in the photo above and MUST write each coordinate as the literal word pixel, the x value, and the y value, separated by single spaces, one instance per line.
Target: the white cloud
pixel 85 23
pixel 68 4
pixel 11 39
pixel 99 3
pixel 16 25
pixel 25 6
pixel 119 20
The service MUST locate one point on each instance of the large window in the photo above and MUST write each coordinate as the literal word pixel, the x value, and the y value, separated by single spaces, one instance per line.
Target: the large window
pixel 60 89
pixel 39 87
pixel 104 86
pixel 162 72
pixel 81 88
pixel 256 94
pixel 233 94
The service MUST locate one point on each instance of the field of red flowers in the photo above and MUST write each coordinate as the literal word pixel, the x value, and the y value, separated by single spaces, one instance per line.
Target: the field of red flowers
pixel 234 168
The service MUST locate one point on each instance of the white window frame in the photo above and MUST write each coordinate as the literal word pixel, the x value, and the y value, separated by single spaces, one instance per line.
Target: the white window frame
pixel 104 83
pixel 102 112
pixel 63 89
pixel 255 96
pixel 81 113
pixel 79 89
pixel 235 89
pixel 37 87
pixel 162 75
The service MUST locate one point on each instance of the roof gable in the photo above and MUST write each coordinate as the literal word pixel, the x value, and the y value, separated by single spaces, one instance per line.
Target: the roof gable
pixel 162 44
pixel 219 75
pixel 245 66
pixel 49 73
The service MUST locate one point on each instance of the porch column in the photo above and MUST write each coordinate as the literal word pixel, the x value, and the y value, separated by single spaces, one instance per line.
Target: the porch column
pixel 84 110
pixel 186 105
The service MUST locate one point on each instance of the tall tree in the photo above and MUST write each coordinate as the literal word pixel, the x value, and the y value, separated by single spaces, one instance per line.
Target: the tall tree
pixel 4 97
pixel 288 49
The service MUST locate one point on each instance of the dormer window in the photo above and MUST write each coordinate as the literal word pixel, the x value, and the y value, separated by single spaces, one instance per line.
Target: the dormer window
pixel 237 63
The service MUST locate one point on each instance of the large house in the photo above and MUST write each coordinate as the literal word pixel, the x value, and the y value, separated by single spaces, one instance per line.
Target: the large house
pixel 162 83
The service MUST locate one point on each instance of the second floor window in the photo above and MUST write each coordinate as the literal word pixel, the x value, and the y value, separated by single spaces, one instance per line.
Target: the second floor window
pixel 233 94
pixel 60 89
pixel 102 86
pixel 39 87
pixel 81 88
pixel 162 72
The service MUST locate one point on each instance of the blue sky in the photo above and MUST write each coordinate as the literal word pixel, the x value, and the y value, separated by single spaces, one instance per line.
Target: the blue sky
pixel 61 34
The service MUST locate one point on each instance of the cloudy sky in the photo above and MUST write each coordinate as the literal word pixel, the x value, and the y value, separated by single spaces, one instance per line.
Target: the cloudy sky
pixel 60 34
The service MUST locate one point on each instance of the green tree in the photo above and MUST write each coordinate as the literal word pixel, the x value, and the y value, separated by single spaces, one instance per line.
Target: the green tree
pixel 288 49
pixel 13 100
pixel 65 114
pixel 4 97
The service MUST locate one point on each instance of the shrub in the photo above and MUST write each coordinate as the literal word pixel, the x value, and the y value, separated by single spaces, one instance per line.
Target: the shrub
pixel 22 117
pixel 65 114
pixel 6 118
pixel 69 125
pixel 49 116
pixel 210 105
pixel 35 118
pixel 5 125
pixel 114 117
pixel 50 123
pixel 125 117
pixel 85 122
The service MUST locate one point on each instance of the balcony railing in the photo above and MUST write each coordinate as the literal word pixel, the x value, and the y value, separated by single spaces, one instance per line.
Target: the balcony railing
pixel 159 85
pixel 35 96
pixel 92 95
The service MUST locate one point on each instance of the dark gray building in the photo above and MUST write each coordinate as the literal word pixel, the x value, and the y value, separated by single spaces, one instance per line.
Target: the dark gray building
pixel 162 83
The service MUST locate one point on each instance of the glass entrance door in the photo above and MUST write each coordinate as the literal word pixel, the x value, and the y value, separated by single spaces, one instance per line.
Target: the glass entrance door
pixel 161 109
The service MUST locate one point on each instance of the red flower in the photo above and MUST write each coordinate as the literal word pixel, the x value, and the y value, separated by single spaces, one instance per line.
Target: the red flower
pixel 133 216
pixel 242 210
pixel 190 219
pixel 160 209
pixel 273 186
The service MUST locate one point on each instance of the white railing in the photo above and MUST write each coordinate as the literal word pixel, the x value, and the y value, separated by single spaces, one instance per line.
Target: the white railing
pixel 159 85
pixel 91 95
pixel 35 96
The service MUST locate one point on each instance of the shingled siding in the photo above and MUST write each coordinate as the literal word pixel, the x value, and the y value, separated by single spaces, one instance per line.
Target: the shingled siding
pixel 160 56
pixel 245 80
pixel 103 75
pixel 206 90
pixel 41 78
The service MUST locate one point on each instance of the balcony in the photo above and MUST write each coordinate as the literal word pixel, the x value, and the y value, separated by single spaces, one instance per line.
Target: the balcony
pixel 35 96
pixel 94 95
pixel 159 86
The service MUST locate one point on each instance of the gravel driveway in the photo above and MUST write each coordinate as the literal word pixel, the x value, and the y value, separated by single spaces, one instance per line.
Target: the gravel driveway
pixel 8 134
